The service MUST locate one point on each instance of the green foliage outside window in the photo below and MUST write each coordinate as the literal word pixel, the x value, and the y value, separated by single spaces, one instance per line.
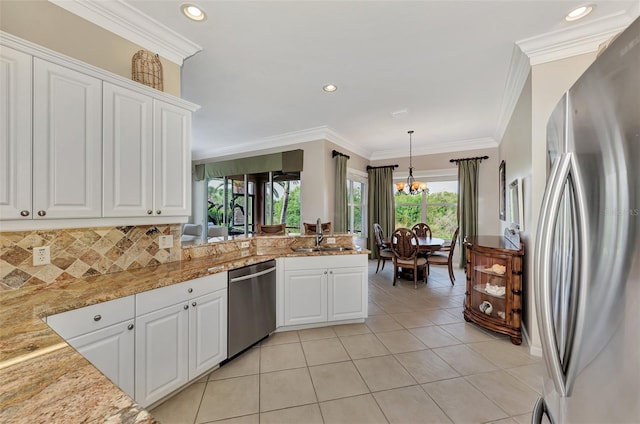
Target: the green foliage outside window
pixel 441 212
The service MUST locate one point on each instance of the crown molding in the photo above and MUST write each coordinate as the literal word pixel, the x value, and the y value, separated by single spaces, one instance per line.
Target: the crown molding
pixel 517 75
pixel 131 24
pixel 445 147
pixel 282 140
pixel 575 40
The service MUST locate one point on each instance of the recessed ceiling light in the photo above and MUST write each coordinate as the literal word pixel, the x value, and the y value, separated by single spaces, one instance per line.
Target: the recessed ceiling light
pixel 193 12
pixel 578 13
pixel 330 88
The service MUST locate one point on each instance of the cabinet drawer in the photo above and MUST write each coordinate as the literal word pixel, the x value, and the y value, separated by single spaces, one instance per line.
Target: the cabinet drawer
pixel 329 261
pixel 153 300
pixel 90 318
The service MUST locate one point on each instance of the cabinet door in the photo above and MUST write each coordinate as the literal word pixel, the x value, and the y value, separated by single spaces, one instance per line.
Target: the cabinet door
pixel 305 296
pixel 67 143
pixel 347 293
pixel 111 350
pixel 127 152
pixel 207 332
pixel 161 352
pixel 172 163
pixel 15 134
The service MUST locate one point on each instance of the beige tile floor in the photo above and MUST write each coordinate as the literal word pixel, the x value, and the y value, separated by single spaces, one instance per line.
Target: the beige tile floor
pixel 414 360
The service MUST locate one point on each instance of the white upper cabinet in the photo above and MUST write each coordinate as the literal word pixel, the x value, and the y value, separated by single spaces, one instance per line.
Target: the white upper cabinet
pixel 77 141
pixel 128 152
pixel 67 143
pixel 172 153
pixel 15 134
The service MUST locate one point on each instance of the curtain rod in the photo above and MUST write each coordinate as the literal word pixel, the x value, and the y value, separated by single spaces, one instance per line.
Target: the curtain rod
pixel 461 159
pixel 379 167
pixel 337 153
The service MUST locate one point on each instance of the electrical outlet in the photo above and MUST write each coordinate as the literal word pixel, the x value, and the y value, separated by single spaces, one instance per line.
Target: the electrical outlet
pixel 165 242
pixel 331 240
pixel 245 244
pixel 41 255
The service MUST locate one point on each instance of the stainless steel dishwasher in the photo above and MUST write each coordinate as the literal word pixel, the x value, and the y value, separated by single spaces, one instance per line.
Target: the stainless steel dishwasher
pixel 252 305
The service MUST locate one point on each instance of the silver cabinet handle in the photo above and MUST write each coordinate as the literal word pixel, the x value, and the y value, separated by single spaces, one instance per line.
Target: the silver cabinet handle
pixel 330 272
pixel 186 307
pixel 325 273
pixel 42 213
pixel 130 327
pixel 24 213
pixel 194 304
pixel 149 211
pixel 190 290
pixel 158 212
pixel 97 318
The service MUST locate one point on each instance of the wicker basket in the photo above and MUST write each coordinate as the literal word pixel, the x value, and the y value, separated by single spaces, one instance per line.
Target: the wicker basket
pixel 147 69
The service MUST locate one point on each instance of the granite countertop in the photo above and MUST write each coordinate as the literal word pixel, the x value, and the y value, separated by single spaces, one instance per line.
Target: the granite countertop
pixel 43 379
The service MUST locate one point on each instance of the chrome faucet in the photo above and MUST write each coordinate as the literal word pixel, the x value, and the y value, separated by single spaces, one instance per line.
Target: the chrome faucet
pixel 319 235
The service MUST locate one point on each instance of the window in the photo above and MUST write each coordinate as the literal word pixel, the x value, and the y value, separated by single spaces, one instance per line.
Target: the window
pixel 356 192
pixel 438 207
pixel 256 204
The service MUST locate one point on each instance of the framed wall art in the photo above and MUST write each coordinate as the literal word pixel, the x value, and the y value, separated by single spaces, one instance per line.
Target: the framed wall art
pixel 502 192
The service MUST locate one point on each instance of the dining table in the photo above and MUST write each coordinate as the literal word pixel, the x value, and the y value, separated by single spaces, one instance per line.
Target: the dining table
pixel 429 244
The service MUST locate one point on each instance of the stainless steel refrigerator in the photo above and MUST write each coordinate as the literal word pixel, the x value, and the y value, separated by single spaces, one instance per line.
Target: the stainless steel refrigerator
pixel 587 253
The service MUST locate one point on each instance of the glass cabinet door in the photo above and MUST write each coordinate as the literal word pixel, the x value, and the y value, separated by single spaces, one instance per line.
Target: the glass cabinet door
pixel 489 290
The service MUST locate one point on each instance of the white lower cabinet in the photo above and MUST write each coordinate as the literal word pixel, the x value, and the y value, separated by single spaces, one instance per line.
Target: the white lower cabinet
pixel 181 332
pixel 162 339
pixel 207 341
pixel 153 343
pixel 323 289
pixel 305 296
pixel 104 335
pixel 347 293
pixel 111 350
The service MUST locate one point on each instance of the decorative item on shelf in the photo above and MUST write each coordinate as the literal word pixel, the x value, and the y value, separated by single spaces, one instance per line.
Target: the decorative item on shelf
pixel 501 314
pixel 486 307
pixel 497 269
pixel 411 186
pixel 147 69
pixel 495 290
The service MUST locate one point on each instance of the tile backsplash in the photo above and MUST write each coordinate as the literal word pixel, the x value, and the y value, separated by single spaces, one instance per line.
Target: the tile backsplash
pixel 82 252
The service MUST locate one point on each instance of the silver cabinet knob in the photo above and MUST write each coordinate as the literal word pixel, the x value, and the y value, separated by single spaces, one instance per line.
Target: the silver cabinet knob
pixel 190 290
pixel 42 213
pixel 158 212
pixel 330 272
pixel 186 306
pixel 97 318
pixel 325 273
pixel 149 211
pixel 194 304
pixel 130 327
pixel 24 213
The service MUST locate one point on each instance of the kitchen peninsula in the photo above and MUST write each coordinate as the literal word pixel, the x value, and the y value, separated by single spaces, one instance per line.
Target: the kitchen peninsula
pixel 46 380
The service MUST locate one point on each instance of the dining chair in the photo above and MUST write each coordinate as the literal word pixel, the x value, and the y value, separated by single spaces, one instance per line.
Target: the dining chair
pixel 444 257
pixel 277 229
pixel 404 245
pixel 384 252
pixel 310 228
pixel 422 230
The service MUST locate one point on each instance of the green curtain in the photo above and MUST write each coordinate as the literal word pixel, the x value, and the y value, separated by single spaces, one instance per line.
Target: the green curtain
pixel 381 208
pixel 341 208
pixel 467 202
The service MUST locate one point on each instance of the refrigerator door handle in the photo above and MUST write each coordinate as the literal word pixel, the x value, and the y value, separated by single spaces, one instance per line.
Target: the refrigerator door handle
pixel 539 411
pixel 542 268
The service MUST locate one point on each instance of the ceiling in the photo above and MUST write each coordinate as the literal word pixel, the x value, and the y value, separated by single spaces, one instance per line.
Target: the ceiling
pixel 446 69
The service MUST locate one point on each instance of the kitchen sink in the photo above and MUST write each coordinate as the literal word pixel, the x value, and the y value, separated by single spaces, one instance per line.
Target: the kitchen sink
pixel 305 249
pixel 334 249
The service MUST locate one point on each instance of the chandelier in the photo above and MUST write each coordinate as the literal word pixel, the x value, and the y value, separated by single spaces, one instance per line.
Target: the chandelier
pixel 411 186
